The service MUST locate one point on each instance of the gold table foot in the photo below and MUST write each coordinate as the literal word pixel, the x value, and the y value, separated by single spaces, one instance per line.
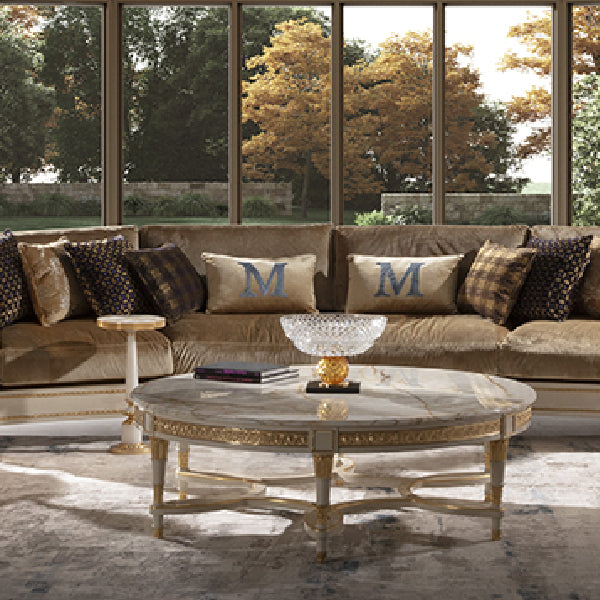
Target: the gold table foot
pixel 321 557
pixel 130 448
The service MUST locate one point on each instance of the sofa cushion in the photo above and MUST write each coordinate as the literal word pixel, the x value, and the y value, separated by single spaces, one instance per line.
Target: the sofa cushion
pixel 103 275
pixel 253 241
pixel 557 268
pixel 587 297
pixel 200 338
pixel 169 280
pixel 77 350
pixel 416 240
pixel 258 285
pixel 55 290
pixel 451 341
pixel 14 297
pixel 494 280
pixel 79 234
pixel 425 285
pixel 566 350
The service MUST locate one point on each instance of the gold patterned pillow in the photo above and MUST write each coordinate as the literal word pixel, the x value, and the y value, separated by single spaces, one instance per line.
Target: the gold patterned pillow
pixel 55 291
pixel 260 285
pixel 494 281
pixel 402 284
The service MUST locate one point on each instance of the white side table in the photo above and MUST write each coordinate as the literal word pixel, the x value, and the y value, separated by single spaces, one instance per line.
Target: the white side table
pixel 131 434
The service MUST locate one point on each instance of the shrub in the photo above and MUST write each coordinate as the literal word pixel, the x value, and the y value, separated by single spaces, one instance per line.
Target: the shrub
pixel 136 205
pixel 501 215
pixel 196 205
pixel 413 215
pixel 258 207
pixel 375 217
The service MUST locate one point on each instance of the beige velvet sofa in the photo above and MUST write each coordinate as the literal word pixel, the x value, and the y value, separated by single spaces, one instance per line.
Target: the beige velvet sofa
pixel 76 368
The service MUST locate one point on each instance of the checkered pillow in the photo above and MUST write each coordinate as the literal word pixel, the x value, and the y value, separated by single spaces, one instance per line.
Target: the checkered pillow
pixel 15 303
pixel 169 279
pixel 494 280
pixel 102 273
pixel 550 288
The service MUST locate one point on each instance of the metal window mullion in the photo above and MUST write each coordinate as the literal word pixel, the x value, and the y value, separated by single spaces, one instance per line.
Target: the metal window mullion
pixel 438 116
pixel 235 113
pixel 112 114
pixel 337 114
pixel 562 197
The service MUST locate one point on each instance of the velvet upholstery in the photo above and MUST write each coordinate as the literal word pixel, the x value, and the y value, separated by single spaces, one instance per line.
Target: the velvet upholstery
pixel 77 350
pixel 416 240
pixel 253 241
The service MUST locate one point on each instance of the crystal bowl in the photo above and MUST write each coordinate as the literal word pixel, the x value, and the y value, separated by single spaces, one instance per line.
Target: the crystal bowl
pixel 333 334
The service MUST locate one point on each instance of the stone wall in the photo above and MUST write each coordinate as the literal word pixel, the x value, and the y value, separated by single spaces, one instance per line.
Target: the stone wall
pixel 279 193
pixel 467 208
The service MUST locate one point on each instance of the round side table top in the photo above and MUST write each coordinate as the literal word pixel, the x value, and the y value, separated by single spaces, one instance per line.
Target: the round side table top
pixel 131 322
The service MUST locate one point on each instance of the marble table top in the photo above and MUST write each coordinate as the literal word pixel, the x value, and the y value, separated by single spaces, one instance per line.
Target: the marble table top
pixel 390 397
pixel 131 322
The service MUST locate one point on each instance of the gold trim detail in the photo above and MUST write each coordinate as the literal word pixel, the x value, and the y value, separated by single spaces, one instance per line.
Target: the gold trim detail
pixel 230 435
pixel 129 448
pixel 159 448
pixel 567 409
pixel 152 322
pixel 82 392
pixel 498 450
pixel 367 439
pixel 323 465
pixel 521 419
pixel 184 459
pixel 79 413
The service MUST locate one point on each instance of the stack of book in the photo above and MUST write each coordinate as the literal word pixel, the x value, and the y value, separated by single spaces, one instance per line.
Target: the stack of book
pixel 245 372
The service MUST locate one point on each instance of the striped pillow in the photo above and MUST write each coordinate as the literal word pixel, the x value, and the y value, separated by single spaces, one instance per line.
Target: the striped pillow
pixel 494 280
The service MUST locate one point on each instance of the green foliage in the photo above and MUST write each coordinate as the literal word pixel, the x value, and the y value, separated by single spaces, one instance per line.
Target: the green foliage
pixel 501 215
pixel 413 215
pixel 257 207
pixel 184 205
pixel 375 217
pixel 51 205
pixel 25 105
pixel 586 209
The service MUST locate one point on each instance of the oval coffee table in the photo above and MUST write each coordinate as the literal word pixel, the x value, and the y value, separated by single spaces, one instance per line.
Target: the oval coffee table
pixel 397 409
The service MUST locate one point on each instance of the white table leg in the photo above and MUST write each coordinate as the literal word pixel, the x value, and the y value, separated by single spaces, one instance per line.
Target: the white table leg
pixel 323 464
pixel 131 434
pixel 183 458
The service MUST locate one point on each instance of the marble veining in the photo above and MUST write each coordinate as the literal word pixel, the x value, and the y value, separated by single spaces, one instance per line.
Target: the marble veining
pixel 391 397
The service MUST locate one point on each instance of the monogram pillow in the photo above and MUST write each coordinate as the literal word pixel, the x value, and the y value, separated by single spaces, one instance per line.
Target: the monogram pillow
pixel 417 284
pixel 260 285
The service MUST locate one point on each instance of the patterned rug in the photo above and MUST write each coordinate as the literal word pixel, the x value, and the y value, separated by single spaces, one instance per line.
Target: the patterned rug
pixel 75 524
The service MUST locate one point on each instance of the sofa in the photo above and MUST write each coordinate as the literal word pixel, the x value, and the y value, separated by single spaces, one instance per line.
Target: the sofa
pixel 76 368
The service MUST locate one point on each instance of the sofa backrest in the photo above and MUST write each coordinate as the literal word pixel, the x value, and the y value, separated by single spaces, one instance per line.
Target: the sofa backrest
pixel 79 234
pixel 415 240
pixel 252 241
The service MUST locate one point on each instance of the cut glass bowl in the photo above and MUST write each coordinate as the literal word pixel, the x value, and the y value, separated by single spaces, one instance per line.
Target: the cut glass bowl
pixel 333 334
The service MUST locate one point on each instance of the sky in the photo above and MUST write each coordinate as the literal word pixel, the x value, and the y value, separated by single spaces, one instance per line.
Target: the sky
pixel 464 24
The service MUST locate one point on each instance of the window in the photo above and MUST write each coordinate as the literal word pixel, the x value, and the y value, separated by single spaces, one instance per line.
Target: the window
pixel 50 110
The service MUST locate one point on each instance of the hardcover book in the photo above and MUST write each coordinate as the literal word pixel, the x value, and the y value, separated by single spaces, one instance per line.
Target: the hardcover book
pixel 244 372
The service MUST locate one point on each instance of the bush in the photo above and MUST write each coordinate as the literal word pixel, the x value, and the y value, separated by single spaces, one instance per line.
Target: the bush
pixel 196 205
pixel 586 208
pixel 413 215
pixel 501 215
pixel 136 205
pixel 375 217
pixel 257 207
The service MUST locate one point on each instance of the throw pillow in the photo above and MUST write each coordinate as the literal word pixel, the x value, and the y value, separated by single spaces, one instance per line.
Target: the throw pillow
pixel 102 273
pixel 557 268
pixel 14 297
pixel 494 281
pixel 55 291
pixel 260 285
pixel 169 280
pixel 417 284
pixel 588 298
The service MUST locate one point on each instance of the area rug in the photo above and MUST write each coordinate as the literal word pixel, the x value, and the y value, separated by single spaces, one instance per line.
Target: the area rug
pixel 75 524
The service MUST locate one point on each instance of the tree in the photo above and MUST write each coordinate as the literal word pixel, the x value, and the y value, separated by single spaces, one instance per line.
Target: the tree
pixel 387 101
pixel 72 67
pixel 25 104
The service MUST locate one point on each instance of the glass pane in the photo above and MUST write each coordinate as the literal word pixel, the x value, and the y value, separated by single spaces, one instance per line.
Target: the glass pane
pixel 175 140
pixel 586 115
pixel 387 112
pixel 50 116
pixel 497 94
pixel 286 114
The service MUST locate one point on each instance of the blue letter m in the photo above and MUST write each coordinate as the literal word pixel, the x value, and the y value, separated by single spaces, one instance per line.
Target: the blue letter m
pixel 387 271
pixel 277 272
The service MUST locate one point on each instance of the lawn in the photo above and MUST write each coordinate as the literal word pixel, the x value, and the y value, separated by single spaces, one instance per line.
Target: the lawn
pixel 26 223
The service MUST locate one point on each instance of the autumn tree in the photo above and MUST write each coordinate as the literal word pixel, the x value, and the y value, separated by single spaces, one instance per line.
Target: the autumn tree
pixel 387 110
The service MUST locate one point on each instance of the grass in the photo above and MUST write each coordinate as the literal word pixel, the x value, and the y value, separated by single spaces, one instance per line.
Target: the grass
pixel 26 223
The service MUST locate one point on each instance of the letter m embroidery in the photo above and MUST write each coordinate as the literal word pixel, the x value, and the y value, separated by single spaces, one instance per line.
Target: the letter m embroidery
pixel 277 273
pixel 387 272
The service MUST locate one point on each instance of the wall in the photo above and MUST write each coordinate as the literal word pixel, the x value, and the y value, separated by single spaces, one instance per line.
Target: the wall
pixel 279 193
pixel 467 208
